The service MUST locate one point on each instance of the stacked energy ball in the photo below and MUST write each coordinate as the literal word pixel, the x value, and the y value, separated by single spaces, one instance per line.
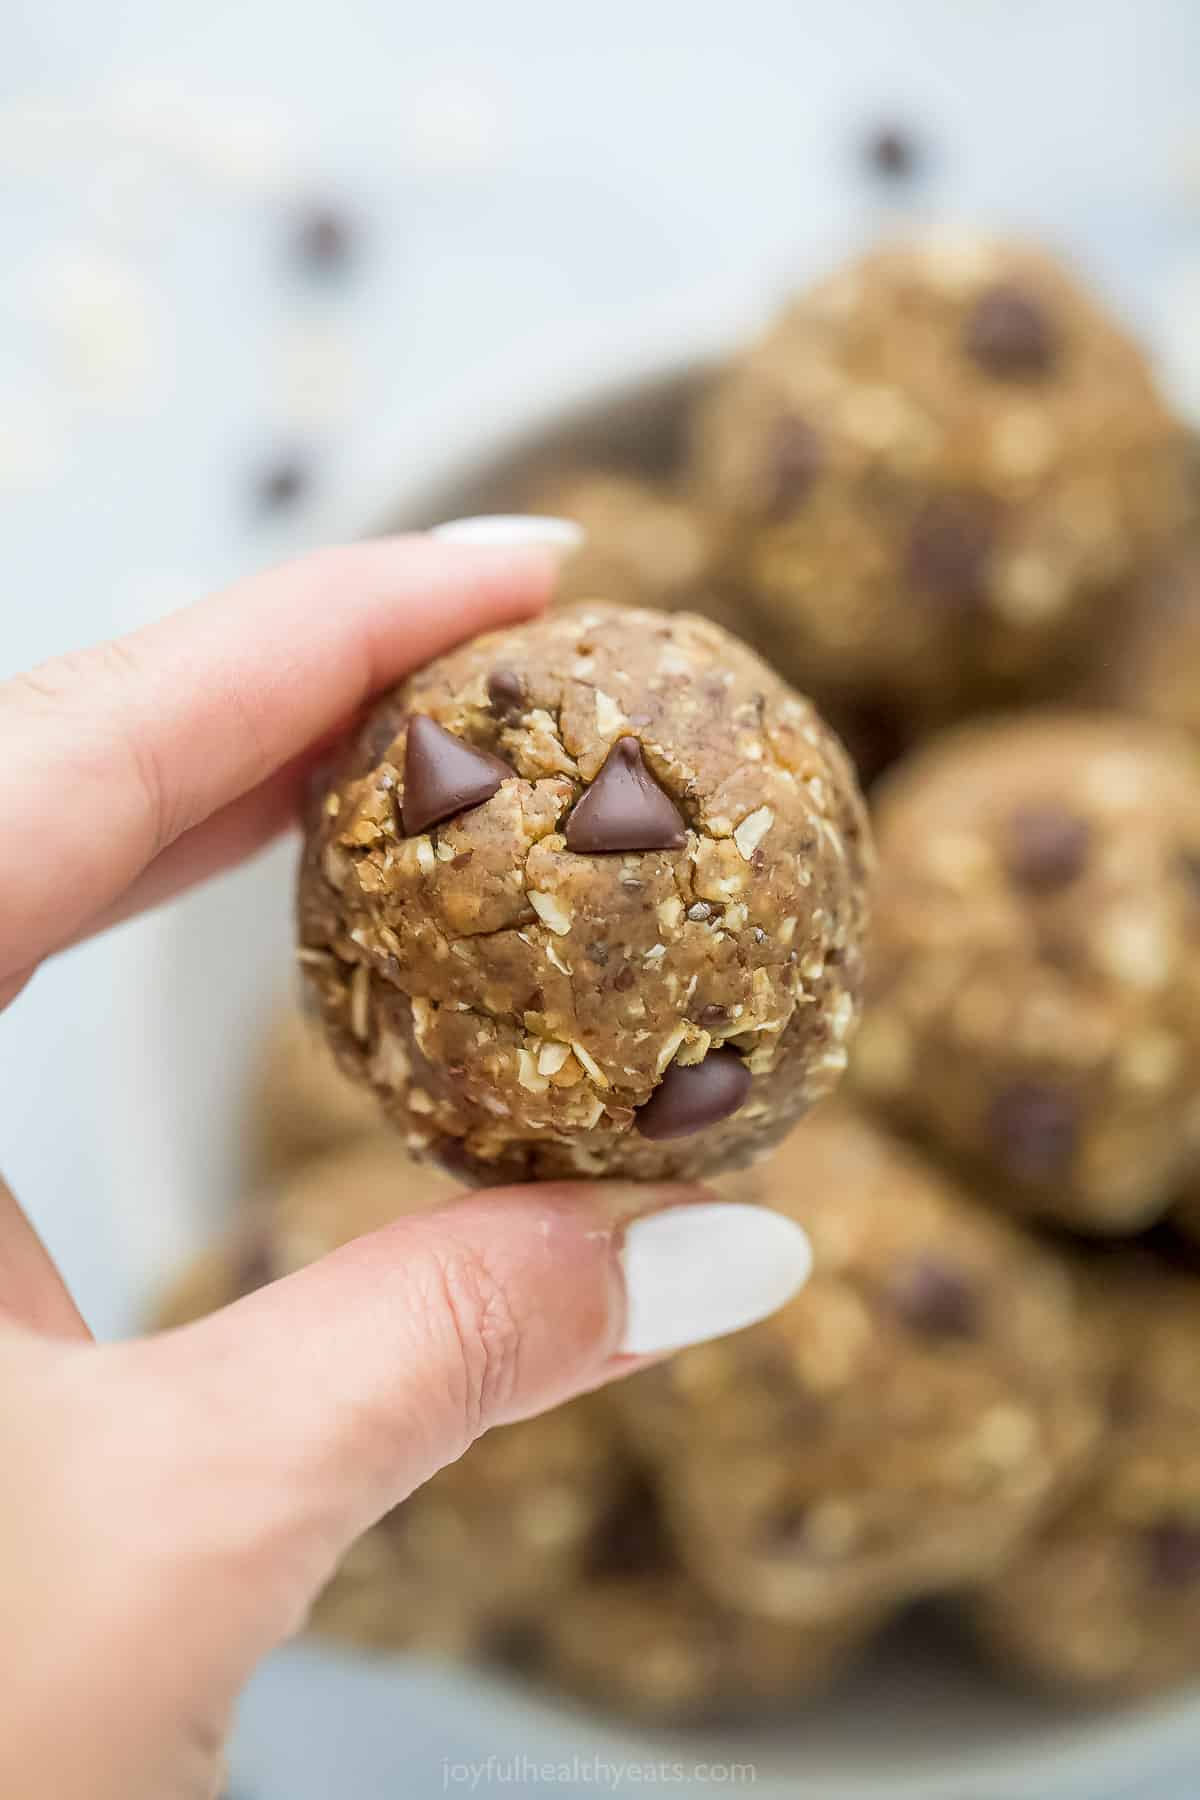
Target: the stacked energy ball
pixel 590 896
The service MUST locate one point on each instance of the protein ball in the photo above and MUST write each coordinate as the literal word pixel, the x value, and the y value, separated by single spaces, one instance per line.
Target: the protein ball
pixel 586 897
pixel 1104 1602
pixel 935 469
pixel 644 546
pixel 896 1429
pixel 1035 973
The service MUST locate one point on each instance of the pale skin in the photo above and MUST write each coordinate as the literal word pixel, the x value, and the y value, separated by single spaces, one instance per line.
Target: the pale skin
pixel 170 1506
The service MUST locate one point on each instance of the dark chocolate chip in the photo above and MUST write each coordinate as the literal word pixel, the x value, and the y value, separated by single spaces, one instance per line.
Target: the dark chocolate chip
pixel 324 239
pixel 282 484
pixel 1009 334
pixel 443 776
pixel 949 550
pixel 255 1263
pixel 691 1097
pixel 783 1530
pixel 1046 847
pixel 624 808
pixel 629 1539
pixel 892 152
pixel 378 735
pixel 506 691
pixel 1189 869
pixel 934 1297
pixel 1034 1130
pixel 795 457
pixel 1173 1552
pixel 518 1645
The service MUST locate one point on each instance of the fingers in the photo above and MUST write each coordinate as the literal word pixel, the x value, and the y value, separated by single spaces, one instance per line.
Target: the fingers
pixel 112 755
pixel 179 1502
pixel 316 1405
pixel 32 1292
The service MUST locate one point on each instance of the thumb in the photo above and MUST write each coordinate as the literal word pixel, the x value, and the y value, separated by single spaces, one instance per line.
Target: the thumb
pixel 182 1499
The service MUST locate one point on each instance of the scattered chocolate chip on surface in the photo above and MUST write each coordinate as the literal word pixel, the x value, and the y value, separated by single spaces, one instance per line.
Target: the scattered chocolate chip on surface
pixel 624 808
pixel 443 775
pixel 689 1098
pixel 324 239
pixel 892 152
pixel 282 484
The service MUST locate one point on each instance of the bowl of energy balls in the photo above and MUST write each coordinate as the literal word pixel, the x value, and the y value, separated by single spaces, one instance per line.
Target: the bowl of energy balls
pixel 834 838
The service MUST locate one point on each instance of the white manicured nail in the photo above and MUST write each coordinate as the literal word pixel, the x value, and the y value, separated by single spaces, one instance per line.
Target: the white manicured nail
pixel 512 528
pixel 696 1272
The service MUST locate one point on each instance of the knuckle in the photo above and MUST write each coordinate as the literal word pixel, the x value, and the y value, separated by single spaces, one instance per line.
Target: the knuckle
pixel 485 1334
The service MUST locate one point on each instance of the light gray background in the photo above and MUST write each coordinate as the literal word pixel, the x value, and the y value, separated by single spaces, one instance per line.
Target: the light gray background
pixel 532 180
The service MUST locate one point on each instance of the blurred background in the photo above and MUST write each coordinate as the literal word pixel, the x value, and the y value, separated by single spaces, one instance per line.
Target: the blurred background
pixel 270 269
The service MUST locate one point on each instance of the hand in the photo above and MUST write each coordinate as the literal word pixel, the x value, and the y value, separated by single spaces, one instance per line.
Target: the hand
pixel 171 1506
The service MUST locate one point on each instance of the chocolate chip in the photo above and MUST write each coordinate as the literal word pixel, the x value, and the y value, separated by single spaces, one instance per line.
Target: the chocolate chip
pixel 534 1001
pixel 1034 1130
pixel 1046 847
pixel 1173 1552
pixel 443 776
pixel 624 808
pixel 934 1297
pixel 691 1097
pixel 712 1015
pixel 1189 869
pixel 255 1264
pixel 505 691
pixel 282 484
pixel 324 239
pixel 795 457
pixel 629 1539
pixel 949 549
pixel 892 152
pixel 624 979
pixel 1009 334
pixel 783 1530
pixel 518 1645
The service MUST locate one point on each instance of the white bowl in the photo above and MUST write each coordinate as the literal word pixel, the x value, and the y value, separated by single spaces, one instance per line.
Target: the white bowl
pixel 913 1725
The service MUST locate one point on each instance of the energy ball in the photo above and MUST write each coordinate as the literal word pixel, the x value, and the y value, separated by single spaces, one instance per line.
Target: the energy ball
pixel 586 897
pixel 490 1536
pixel 936 468
pixel 1034 1006
pixel 301 1103
pixel 645 545
pixel 1105 1601
pixel 896 1429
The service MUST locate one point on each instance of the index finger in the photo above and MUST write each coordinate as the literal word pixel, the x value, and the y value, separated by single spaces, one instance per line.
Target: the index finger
pixel 110 755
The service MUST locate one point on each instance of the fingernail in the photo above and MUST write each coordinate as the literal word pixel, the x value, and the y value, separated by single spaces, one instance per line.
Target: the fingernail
pixel 512 528
pixel 696 1272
